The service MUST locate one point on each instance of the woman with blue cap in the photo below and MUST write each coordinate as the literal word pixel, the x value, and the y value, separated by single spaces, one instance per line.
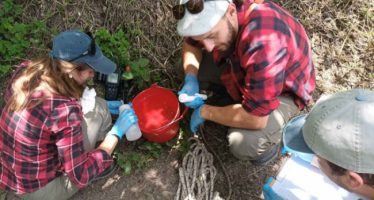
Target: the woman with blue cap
pixel 47 143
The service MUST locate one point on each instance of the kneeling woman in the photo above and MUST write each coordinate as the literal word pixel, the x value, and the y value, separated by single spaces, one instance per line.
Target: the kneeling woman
pixel 47 144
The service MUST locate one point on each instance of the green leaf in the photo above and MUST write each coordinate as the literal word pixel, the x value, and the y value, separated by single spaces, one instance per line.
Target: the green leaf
pixel 127 168
pixel 4 69
pixel 127 76
pixel 148 146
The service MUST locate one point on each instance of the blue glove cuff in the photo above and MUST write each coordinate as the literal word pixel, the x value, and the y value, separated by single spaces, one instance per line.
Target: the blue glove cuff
pixel 195 103
pixel 190 77
pixel 199 110
pixel 114 131
pixel 196 120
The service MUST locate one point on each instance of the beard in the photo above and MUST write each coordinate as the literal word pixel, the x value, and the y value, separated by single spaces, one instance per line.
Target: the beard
pixel 230 45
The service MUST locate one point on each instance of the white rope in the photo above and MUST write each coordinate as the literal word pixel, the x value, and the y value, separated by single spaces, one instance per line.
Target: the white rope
pixel 196 175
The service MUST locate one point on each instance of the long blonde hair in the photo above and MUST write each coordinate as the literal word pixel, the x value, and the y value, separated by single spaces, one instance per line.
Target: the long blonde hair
pixel 48 71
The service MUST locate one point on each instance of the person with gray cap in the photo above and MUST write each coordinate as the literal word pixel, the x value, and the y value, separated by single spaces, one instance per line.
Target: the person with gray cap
pixel 255 58
pixel 47 144
pixel 339 130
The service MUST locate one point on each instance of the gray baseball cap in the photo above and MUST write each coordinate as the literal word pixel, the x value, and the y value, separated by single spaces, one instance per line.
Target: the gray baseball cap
pixel 339 128
pixel 78 47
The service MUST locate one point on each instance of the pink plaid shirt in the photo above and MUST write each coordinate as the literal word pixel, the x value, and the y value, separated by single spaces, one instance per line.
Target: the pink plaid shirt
pixel 39 144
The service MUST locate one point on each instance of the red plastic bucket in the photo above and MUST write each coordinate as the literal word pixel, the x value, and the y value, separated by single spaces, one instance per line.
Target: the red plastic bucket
pixel 158 113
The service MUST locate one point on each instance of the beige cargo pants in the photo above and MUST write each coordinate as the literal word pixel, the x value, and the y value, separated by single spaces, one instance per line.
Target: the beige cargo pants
pixel 246 144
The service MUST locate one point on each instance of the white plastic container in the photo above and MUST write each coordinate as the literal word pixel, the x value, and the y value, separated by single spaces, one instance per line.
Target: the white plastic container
pixel 184 98
pixel 134 132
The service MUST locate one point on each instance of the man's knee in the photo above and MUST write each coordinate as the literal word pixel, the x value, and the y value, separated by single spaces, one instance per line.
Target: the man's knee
pixel 247 144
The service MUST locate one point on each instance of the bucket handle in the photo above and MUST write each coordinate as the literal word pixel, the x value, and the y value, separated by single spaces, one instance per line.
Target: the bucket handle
pixel 172 122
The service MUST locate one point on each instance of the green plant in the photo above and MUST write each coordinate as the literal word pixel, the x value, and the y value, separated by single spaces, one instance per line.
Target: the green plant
pixel 141 71
pixel 115 46
pixel 128 161
pixel 153 149
pixel 182 143
pixel 16 37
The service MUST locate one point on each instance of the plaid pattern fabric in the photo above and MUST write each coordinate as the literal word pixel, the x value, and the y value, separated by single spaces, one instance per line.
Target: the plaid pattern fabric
pixel 272 57
pixel 41 143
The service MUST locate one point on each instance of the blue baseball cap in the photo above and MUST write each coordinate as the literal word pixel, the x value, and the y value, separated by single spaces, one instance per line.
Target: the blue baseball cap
pixel 78 47
pixel 293 137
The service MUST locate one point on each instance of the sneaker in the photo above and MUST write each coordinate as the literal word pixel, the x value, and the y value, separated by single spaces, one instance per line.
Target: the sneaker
pixel 106 173
pixel 268 156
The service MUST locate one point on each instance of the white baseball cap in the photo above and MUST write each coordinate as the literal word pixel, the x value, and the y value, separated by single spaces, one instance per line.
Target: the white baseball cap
pixel 339 128
pixel 202 22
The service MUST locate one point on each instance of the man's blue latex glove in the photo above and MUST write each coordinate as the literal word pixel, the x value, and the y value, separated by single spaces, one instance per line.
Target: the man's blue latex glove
pixel 191 87
pixel 114 106
pixel 196 120
pixel 125 120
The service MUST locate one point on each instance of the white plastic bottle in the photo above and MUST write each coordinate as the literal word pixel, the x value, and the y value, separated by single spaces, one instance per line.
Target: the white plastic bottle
pixel 134 132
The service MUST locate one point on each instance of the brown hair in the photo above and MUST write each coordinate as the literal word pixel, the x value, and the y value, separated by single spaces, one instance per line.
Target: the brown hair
pixel 238 3
pixel 337 170
pixel 48 71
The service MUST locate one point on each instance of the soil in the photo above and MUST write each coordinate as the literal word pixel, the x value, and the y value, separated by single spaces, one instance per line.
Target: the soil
pixel 342 39
pixel 160 179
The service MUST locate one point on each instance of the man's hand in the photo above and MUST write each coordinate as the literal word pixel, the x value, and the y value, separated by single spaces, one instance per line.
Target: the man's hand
pixel 125 120
pixel 196 120
pixel 113 106
pixel 191 87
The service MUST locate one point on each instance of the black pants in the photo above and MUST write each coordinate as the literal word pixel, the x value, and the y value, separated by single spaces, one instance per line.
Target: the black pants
pixel 210 83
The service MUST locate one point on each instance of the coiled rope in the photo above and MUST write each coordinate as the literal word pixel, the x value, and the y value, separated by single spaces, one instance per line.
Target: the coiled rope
pixel 197 174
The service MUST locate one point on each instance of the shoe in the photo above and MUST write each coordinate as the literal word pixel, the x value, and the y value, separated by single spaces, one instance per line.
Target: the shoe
pixel 268 156
pixel 106 173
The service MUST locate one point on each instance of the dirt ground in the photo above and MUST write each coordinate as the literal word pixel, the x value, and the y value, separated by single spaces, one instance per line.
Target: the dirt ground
pixel 342 37
pixel 159 181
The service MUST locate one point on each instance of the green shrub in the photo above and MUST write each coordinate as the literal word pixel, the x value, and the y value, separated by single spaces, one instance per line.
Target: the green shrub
pixel 141 71
pixel 16 37
pixel 117 48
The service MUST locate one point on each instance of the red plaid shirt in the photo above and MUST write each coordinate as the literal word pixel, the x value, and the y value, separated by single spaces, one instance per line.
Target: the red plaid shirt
pixel 39 144
pixel 272 57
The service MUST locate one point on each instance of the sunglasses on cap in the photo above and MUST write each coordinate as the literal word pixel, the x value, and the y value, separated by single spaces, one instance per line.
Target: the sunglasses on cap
pixel 91 49
pixel 193 6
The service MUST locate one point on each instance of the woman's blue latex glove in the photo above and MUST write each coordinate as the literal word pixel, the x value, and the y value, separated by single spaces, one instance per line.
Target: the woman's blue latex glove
pixel 113 106
pixel 125 120
pixel 191 87
pixel 196 120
